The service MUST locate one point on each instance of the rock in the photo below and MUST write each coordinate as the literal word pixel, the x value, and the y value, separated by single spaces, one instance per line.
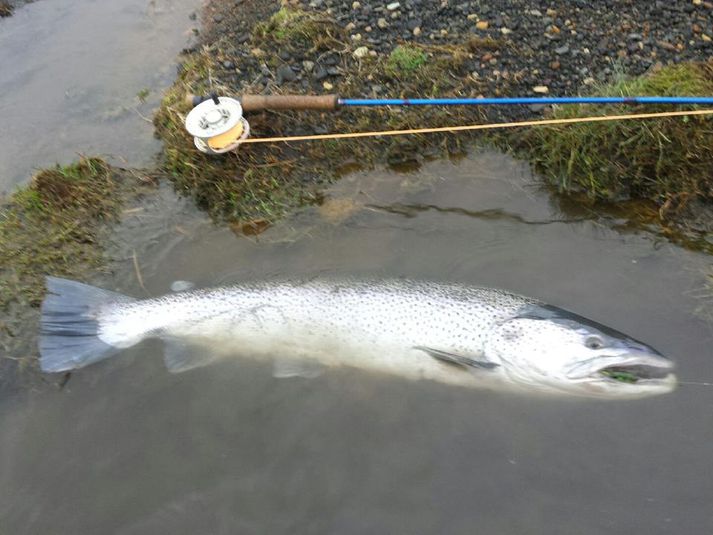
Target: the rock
pixel 228 64
pixel 561 50
pixel 416 31
pixel 505 31
pixel 412 24
pixel 555 65
pixel 217 18
pixel 360 52
pixel 356 37
pixel 349 27
pixel 328 86
pixel 308 65
pixel 320 73
pixel 541 89
pixel 393 6
pixel 356 5
pixel 284 55
pixel 285 74
pixel 382 23
pixel 482 25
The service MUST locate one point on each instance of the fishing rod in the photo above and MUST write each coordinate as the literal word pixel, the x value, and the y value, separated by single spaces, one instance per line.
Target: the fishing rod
pixel 218 126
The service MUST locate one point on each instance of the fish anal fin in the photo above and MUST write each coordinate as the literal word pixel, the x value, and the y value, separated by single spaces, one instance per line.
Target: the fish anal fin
pixel 463 361
pixel 180 355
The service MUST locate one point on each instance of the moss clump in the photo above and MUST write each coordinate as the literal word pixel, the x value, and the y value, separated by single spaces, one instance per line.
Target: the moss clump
pixel 52 227
pixel 289 25
pixel 667 160
pixel 405 59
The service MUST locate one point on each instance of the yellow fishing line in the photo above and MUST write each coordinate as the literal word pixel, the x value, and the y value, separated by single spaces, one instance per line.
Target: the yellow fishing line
pixel 491 126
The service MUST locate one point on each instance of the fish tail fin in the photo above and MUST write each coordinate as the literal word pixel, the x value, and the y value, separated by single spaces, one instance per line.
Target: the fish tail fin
pixel 69 327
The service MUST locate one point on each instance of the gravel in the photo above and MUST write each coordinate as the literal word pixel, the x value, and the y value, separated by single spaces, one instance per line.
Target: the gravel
pixel 581 39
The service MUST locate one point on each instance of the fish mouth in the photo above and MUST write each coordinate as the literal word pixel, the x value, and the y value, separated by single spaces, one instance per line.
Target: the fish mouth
pixel 634 373
pixel 639 370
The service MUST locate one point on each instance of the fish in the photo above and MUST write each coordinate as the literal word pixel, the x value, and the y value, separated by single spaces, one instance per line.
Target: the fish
pixel 420 330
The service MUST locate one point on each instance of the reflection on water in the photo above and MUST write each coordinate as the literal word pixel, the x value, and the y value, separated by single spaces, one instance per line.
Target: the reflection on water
pixel 128 448
pixel 71 72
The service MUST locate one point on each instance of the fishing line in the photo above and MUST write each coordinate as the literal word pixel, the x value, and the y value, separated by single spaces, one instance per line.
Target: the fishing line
pixel 694 383
pixel 488 126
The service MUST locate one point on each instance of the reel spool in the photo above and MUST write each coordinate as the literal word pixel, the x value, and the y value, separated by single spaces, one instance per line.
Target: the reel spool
pixel 217 125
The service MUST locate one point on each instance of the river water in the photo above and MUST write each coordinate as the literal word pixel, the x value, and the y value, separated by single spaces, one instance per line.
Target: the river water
pixel 70 73
pixel 128 448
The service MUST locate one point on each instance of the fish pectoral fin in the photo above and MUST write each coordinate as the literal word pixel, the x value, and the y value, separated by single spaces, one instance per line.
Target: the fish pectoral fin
pixel 284 368
pixel 180 356
pixel 182 286
pixel 458 360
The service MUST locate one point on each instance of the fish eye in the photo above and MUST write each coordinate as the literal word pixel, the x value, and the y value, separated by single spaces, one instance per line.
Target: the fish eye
pixel 594 342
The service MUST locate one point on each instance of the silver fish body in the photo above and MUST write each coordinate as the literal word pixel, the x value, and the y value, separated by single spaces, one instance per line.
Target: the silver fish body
pixel 450 333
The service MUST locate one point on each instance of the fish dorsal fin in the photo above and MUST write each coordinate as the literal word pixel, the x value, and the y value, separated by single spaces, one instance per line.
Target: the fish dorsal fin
pixel 458 360
pixel 181 356
pixel 284 368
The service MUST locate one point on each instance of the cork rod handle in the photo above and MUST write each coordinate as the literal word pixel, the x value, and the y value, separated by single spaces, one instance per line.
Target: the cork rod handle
pixel 276 102
pixel 288 102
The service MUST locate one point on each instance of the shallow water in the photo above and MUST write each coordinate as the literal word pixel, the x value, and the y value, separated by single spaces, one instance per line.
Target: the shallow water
pixel 70 73
pixel 128 448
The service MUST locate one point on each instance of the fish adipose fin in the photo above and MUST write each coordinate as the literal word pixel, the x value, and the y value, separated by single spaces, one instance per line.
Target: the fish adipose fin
pixel 180 356
pixel 457 360
pixel 68 325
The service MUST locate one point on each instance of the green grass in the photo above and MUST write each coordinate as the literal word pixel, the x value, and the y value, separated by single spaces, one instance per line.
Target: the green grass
pixel 668 160
pixel 52 227
pixel 404 59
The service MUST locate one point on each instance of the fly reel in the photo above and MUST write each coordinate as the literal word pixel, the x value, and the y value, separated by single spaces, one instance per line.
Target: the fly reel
pixel 217 125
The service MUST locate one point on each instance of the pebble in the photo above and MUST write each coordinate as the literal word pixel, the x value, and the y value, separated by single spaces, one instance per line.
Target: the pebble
pixel 382 23
pixel 308 65
pixel 416 31
pixel 393 6
pixel 320 73
pixel 328 86
pixel 541 89
pixel 356 5
pixel 482 25
pixel 360 52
